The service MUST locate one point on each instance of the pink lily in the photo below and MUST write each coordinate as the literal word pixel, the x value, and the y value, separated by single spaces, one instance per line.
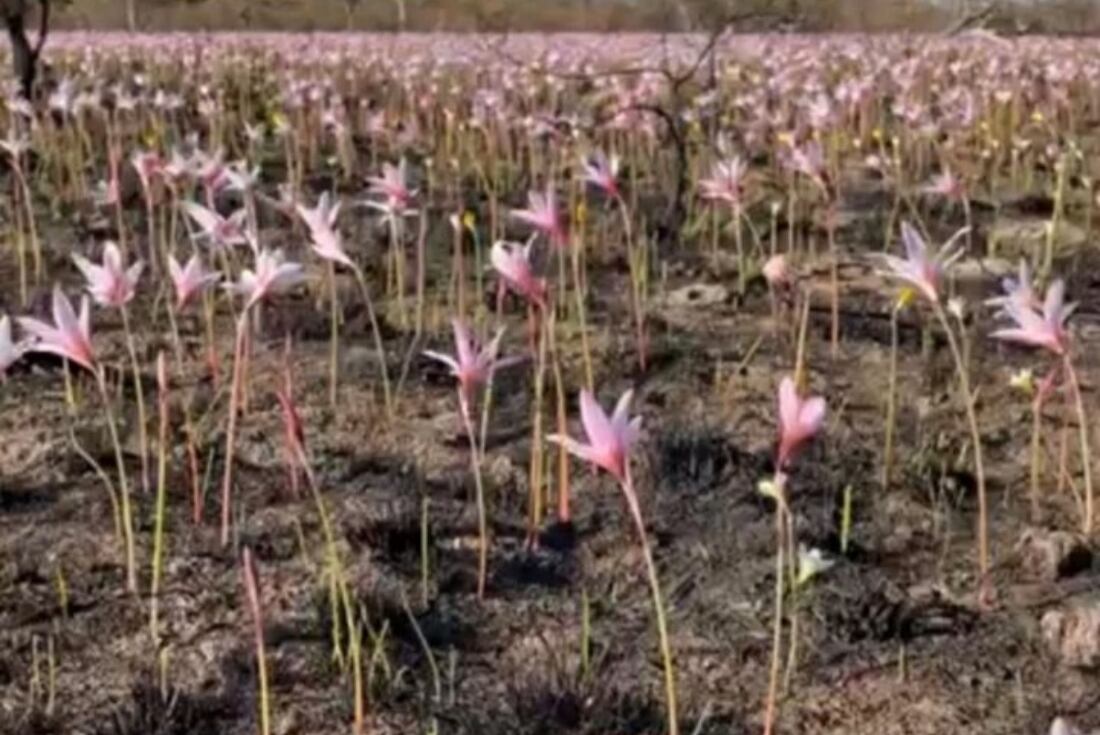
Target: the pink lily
pixel 609 439
pixel 321 221
pixel 148 165
pixel 392 185
pixel 603 173
pixel 177 168
pixel 799 420
pixel 542 214
pixel 777 272
pixel 726 182
pixel 110 284
pixel 222 232
pixel 69 337
pixel 920 270
pixel 946 185
pixel 10 351
pixel 472 364
pixel 513 262
pixel 211 172
pixel 809 160
pixel 1017 290
pixel 190 279
pixel 1047 329
pixel 271 276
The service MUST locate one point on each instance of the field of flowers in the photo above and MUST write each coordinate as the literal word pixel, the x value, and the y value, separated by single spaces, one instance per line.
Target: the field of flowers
pixel 550 384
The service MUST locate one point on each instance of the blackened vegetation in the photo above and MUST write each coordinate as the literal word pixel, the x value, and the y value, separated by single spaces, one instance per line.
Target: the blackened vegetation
pixel 25 57
pixel 153 712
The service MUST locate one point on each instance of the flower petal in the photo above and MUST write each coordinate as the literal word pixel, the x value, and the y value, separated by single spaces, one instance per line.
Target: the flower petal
pixel 597 426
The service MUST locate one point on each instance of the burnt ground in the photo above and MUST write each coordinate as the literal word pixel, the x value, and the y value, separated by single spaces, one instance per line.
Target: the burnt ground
pixel 890 639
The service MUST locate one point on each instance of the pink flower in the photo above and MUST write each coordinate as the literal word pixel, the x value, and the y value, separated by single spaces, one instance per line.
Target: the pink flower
pixel 726 182
pixel 472 363
pixel 70 337
pixel 542 214
pixel 211 172
pixel 10 351
pixel 921 270
pixel 809 160
pixel 271 276
pixel 1047 329
pixel 110 284
pixel 177 168
pixel 603 173
pixel 609 439
pixel 189 280
pixel 513 263
pixel 106 193
pixel 392 185
pixel 1017 290
pixel 321 221
pixel 946 185
pixel 799 420
pixel 776 271
pixel 222 232
pixel 148 165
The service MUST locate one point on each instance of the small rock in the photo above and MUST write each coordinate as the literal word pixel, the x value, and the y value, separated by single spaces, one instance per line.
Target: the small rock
pixel 1073 635
pixel 1061 727
pixel 698 295
pixel 501 471
pixel 1051 555
pixel 1015 238
pixel 357 360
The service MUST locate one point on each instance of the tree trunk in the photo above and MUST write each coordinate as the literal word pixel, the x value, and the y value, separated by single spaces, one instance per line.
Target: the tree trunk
pixel 401 15
pixel 131 15
pixel 24 57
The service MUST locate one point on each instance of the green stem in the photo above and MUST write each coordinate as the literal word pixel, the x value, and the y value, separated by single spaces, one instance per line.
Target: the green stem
pixel 482 523
pixel 124 485
pixel 777 625
pixel 891 403
pixel 658 602
pixel 976 438
pixel 376 333
pixel 1083 432
pixel 143 436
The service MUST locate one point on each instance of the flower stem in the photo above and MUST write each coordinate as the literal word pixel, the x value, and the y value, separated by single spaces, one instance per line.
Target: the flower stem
pixel 976 438
pixel 334 337
pixel 479 485
pixel 376 333
pixel 1083 431
pixel 231 431
pixel 658 601
pixel 162 492
pixel 143 436
pixel 123 483
pixel 891 403
pixel 252 591
pixel 1036 458
pixel 777 625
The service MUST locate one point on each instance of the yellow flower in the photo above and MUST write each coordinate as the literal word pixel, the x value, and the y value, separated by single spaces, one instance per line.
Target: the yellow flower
pixel 1037 117
pixel 785 138
pixel 582 213
pixel 906 297
pixel 1023 381
pixel 469 219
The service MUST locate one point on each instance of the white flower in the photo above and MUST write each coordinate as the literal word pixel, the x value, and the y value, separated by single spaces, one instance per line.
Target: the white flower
pixel 811 562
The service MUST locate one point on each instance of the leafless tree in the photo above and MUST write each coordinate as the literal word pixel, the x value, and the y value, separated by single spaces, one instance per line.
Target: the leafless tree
pixel 24 56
